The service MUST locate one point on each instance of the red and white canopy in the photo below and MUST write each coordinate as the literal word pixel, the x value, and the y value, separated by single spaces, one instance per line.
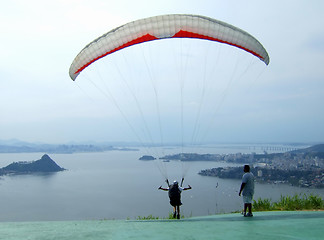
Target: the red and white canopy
pixel 166 26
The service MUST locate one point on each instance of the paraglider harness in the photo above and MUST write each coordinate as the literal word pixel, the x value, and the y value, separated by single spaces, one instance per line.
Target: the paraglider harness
pixel 175 193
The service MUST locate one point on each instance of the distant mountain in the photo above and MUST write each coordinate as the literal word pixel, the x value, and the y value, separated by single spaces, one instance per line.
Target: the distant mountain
pixel 62 148
pixel 15 142
pixel 313 151
pixel 43 165
pixel 319 148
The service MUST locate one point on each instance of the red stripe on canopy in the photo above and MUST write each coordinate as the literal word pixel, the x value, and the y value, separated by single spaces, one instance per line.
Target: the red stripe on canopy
pixel 187 34
pixel 144 38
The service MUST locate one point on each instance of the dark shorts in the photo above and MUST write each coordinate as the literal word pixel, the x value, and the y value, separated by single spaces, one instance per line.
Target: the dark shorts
pixel 175 202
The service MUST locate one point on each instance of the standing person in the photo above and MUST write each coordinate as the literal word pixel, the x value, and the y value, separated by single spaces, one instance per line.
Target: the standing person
pixel 174 191
pixel 247 190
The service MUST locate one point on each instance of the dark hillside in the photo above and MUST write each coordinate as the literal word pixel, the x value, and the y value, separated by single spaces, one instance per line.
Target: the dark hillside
pixel 313 151
pixel 45 164
pixel 319 148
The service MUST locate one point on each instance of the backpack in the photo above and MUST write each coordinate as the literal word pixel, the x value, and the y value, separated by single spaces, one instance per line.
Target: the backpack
pixel 174 191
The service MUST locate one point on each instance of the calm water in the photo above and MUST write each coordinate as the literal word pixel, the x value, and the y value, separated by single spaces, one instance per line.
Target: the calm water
pixel 116 185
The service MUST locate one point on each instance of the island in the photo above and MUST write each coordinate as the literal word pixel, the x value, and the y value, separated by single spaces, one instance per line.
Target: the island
pixel 43 165
pixel 147 158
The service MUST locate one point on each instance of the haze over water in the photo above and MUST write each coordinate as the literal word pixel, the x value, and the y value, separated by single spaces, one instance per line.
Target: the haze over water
pixel 116 185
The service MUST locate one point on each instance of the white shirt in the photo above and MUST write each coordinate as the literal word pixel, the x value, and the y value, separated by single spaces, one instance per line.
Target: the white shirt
pixel 248 179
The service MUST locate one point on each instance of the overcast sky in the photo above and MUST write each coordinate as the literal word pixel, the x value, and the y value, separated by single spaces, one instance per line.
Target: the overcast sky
pixel 282 102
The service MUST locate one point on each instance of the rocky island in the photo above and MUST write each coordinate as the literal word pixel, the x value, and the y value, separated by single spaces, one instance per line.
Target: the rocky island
pixel 43 165
pixel 147 158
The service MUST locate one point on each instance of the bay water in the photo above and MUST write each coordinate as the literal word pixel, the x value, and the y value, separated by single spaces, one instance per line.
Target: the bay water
pixel 116 185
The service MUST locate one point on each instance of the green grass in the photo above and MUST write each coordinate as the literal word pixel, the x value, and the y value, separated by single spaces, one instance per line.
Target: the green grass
pixel 288 203
pixel 151 217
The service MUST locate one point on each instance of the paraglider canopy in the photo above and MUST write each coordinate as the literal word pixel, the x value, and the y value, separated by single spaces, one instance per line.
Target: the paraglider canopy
pixel 162 27
pixel 177 93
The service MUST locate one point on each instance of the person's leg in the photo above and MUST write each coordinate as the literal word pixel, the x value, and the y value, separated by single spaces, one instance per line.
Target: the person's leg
pixel 249 206
pixel 174 212
pixel 245 207
pixel 178 215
